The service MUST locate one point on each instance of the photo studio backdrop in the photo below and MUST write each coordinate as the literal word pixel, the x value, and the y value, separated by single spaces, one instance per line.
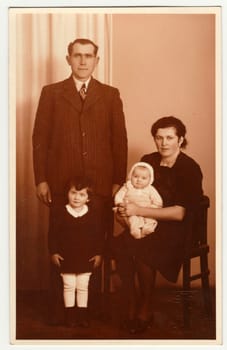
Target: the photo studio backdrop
pixel 163 64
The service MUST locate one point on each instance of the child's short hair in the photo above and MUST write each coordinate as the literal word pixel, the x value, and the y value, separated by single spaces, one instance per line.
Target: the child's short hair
pixel 79 182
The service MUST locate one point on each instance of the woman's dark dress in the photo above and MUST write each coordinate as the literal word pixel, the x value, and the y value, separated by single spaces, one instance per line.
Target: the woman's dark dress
pixel 76 240
pixel 179 185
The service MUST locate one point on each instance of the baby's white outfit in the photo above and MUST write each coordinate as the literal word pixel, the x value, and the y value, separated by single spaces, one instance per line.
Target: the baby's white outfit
pixel 145 197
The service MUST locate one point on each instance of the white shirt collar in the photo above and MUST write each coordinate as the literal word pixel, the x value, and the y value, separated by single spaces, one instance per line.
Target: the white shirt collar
pixel 75 213
pixel 79 83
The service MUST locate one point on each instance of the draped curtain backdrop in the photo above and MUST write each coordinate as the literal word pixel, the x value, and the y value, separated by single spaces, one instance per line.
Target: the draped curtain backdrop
pixel 40 49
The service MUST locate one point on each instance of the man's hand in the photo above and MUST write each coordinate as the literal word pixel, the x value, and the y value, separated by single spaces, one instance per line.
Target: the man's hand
pixel 97 261
pixel 43 193
pixel 56 259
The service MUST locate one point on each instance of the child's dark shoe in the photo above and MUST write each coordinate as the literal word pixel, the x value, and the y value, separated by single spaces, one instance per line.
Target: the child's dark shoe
pixel 70 317
pixel 83 320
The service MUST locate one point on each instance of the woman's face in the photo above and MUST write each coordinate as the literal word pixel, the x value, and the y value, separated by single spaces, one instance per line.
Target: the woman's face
pixel 167 142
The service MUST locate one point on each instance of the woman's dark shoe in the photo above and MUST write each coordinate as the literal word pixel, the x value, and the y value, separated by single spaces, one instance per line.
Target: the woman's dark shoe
pixel 140 326
pixel 128 324
pixel 84 324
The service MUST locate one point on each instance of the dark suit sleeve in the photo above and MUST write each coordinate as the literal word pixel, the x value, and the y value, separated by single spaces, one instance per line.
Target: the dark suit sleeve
pixel 52 242
pixel 119 139
pixel 55 228
pixel 41 136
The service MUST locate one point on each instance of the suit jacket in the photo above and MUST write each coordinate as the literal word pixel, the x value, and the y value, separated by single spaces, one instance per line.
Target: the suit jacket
pixel 72 137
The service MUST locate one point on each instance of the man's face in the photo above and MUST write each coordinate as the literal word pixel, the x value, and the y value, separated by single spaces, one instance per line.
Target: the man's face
pixel 82 61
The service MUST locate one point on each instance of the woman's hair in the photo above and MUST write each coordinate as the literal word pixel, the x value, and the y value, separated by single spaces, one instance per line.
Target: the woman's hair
pixel 82 42
pixel 79 183
pixel 167 122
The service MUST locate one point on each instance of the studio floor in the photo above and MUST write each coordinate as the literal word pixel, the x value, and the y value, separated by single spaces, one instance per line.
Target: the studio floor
pixel 32 319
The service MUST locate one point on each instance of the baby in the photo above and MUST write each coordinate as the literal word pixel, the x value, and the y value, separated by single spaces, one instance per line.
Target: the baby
pixel 139 190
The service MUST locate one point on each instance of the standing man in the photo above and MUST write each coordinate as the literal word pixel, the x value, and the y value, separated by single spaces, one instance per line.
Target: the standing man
pixel 80 129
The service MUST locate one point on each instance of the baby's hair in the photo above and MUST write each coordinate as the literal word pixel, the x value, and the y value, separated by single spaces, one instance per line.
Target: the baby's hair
pixel 79 182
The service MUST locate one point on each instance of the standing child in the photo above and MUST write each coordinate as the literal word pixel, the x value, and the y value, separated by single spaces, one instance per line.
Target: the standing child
pixel 139 190
pixel 75 245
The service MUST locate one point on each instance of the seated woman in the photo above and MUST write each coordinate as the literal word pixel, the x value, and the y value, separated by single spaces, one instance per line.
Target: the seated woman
pixel 178 179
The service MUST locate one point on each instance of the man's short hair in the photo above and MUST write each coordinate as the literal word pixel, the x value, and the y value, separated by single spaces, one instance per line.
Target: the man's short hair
pixel 82 42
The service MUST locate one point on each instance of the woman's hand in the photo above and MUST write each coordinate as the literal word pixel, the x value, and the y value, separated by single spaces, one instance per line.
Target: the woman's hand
pixel 131 209
pixel 127 209
pixel 121 210
pixel 172 213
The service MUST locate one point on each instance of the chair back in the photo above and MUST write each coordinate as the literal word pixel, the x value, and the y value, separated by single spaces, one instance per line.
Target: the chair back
pixel 196 225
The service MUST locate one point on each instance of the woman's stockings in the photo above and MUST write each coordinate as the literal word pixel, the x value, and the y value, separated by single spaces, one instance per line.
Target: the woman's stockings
pixel 136 307
pixel 146 279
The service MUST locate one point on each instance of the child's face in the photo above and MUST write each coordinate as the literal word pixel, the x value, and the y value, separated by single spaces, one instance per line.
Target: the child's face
pixel 77 198
pixel 140 177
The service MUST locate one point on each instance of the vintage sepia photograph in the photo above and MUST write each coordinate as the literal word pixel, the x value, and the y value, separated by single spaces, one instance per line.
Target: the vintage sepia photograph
pixel 115 146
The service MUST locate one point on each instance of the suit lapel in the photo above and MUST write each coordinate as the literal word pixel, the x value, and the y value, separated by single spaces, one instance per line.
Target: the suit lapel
pixel 71 95
pixel 93 94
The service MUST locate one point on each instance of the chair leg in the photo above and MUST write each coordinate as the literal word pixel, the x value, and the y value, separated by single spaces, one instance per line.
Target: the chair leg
pixel 106 287
pixel 205 284
pixel 186 294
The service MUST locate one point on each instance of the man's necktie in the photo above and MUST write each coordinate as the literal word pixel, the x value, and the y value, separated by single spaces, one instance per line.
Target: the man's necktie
pixel 82 92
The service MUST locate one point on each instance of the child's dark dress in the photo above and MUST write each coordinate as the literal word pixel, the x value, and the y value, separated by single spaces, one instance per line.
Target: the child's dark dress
pixel 76 239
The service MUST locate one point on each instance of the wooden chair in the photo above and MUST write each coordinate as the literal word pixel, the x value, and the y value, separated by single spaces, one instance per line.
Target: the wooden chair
pixel 196 246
